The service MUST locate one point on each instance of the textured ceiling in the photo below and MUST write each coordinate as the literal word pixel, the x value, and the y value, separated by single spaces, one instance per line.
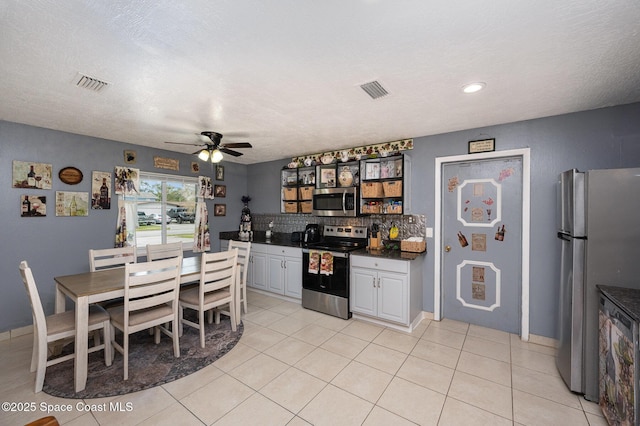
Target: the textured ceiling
pixel 285 75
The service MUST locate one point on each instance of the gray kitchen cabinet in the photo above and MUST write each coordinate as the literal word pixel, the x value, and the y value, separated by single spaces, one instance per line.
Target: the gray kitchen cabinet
pixel 386 289
pixel 257 276
pixel 285 271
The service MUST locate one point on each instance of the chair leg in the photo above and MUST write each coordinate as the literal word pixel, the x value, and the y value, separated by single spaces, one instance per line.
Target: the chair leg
pixel 125 355
pixel 42 365
pixel 156 337
pixel 34 351
pixel 108 349
pixel 232 314
pixel 180 318
pixel 201 327
pixel 210 316
pixel 244 298
pixel 112 331
pixel 176 338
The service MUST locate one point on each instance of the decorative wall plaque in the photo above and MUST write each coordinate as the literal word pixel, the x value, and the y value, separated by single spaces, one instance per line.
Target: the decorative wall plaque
pixel 70 175
pixel 166 163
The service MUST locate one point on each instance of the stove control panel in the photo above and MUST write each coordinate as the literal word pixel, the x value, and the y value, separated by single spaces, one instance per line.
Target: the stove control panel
pixel 345 231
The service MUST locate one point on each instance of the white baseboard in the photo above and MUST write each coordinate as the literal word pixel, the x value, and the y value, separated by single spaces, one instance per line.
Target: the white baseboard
pixel 16 332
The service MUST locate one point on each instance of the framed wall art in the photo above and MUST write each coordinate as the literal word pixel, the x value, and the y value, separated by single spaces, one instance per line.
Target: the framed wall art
pixel 205 187
pixel 33 205
pixel 130 156
pixel 220 191
pixel 72 203
pixel 484 145
pixel 127 180
pixel 101 190
pixel 219 209
pixel 31 175
pixel 219 172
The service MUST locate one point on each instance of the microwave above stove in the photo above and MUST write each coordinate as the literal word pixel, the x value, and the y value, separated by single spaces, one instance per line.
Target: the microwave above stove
pixel 335 201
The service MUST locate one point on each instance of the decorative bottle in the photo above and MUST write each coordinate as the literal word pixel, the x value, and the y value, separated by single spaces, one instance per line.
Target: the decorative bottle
pixel 73 207
pixel 31 178
pixel 26 206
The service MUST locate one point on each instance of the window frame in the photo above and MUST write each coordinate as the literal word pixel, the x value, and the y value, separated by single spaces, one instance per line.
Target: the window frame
pixel 163 178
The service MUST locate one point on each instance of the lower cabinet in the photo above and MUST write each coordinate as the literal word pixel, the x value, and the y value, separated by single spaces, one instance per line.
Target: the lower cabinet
pixel 277 269
pixel 285 271
pixel 389 290
pixel 257 277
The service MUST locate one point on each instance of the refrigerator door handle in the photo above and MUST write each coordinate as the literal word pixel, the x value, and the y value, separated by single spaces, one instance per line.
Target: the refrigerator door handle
pixel 563 236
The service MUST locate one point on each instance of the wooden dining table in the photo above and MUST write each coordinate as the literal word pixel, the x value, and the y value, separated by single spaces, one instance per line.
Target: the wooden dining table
pixel 106 284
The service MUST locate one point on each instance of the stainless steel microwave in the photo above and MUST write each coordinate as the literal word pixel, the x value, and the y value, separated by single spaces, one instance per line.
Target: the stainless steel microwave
pixel 335 201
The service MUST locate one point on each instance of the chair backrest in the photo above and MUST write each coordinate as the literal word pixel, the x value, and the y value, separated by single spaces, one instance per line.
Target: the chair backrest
pixel 111 257
pixel 244 248
pixel 39 321
pixel 163 251
pixel 218 270
pixel 149 284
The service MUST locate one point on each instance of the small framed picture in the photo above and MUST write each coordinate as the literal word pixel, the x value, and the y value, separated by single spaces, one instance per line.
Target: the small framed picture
pixel 33 206
pixel 195 167
pixel 372 171
pixel 129 156
pixel 220 191
pixel 219 209
pixel 484 145
pixel 219 172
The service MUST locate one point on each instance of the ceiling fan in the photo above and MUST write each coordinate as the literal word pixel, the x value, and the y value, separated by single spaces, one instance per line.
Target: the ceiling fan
pixel 213 150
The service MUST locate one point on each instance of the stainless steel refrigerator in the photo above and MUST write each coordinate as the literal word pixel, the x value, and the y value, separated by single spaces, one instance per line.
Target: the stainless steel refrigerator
pixel 599 228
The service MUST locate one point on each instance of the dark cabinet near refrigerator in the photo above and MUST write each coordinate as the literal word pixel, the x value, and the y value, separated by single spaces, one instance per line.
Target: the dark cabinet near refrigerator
pixel 618 316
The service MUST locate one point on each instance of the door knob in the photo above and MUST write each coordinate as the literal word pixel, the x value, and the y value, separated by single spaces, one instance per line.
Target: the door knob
pixel 447 248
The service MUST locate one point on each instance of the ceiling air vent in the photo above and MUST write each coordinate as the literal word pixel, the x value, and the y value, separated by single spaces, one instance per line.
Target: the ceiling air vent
pixel 90 83
pixel 374 89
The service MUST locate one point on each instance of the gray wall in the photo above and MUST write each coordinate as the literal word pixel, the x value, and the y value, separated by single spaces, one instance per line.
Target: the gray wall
pixel 59 245
pixel 599 139
pixel 606 138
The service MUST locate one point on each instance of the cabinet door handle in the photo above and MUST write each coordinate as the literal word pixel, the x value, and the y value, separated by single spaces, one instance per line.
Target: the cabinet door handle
pixel 285 264
pixel 378 282
pixel 374 282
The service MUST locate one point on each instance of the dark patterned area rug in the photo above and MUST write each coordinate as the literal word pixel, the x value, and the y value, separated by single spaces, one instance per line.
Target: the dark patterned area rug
pixel 150 365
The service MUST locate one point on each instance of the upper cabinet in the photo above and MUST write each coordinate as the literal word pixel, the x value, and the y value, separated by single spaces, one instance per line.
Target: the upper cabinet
pixel 297 189
pixel 383 181
pixel 385 185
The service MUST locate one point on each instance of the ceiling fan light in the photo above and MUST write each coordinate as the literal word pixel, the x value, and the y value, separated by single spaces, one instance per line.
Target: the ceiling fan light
pixel 473 87
pixel 203 155
pixel 216 156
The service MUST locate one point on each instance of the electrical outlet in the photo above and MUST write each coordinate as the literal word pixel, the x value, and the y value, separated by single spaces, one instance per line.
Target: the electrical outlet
pixel 411 220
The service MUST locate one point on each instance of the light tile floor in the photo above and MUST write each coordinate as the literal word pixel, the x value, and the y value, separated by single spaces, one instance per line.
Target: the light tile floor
pixel 298 367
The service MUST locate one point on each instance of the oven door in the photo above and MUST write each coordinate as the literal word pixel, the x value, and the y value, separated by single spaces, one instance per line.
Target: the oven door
pixel 335 283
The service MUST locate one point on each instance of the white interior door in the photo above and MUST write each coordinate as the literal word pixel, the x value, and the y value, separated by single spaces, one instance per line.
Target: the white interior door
pixel 483 232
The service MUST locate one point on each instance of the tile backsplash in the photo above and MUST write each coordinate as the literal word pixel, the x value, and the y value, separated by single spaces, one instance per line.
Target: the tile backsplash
pixel 409 225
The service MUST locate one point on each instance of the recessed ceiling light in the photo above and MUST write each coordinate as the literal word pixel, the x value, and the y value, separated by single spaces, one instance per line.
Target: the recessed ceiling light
pixel 473 87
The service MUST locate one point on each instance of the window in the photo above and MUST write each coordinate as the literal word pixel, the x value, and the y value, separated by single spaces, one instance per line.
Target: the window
pixel 166 206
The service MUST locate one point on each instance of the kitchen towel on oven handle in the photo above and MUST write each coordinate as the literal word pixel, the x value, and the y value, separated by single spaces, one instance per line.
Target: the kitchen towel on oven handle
pixel 326 263
pixel 314 262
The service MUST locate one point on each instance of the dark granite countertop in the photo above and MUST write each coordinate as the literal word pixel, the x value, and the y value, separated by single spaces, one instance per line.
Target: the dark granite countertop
pixel 277 239
pixel 284 239
pixel 628 299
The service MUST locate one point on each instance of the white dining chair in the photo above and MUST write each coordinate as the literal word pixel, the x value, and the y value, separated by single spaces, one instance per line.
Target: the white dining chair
pixel 111 257
pixel 163 251
pixel 150 300
pixel 244 249
pixel 53 328
pixel 218 274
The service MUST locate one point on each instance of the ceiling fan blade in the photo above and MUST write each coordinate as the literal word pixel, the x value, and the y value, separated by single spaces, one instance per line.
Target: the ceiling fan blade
pixel 238 145
pixel 230 152
pixel 183 143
